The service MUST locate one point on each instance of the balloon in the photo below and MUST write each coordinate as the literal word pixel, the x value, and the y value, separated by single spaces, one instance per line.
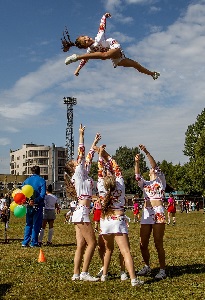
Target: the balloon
pixel 13 205
pixel 19 211
pixel 27 190
pixel 15 192
pixel 20 198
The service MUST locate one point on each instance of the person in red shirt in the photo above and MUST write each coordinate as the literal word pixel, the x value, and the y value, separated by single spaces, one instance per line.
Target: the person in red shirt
pixel 171 209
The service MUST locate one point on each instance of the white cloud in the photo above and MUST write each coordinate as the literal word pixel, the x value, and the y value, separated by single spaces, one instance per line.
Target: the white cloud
pixel 4 141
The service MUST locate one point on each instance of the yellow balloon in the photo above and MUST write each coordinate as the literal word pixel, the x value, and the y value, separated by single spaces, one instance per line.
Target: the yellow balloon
pixel 27 190
pixel 15 192
pixel 13 205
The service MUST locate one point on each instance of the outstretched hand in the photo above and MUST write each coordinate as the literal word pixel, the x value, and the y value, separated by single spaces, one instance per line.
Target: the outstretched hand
pixel 82 129
pixel 97 138
pixel 137 158
pixel 143 148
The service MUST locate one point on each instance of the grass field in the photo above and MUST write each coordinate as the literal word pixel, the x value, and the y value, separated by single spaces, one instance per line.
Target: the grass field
pixel 22 277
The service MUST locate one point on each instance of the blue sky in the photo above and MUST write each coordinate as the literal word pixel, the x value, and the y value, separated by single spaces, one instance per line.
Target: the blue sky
pixel 126 107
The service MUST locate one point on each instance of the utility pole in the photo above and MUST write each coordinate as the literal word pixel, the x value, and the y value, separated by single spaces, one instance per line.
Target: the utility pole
pixel 69 101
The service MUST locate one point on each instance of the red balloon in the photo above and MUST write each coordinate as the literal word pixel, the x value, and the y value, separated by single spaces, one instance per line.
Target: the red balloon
pixel 20 198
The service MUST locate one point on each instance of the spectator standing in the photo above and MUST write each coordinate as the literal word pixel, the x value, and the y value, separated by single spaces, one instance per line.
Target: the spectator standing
pixel 49 215
pixel 171 209
pixel 34 211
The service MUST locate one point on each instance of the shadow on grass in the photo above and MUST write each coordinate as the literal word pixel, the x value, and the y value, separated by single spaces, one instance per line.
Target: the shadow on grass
pixel 60 245
pixel 2 241
pixel 4 287
pixel 176 271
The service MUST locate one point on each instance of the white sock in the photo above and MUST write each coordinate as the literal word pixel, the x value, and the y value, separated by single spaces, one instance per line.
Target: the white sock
pixel 41 234
pixel 50 234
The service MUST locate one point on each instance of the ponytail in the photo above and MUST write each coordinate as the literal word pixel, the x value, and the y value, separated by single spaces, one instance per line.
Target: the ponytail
pixel 66 42
pixel 69 187
pixel 110 186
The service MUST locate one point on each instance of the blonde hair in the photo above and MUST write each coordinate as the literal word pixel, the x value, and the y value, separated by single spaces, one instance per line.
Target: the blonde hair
pixel 110 186
pixel 69 187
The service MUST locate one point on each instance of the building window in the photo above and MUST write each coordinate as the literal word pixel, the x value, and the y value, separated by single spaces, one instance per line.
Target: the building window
pixel 61 154
pixel 61 170
pixel 43 153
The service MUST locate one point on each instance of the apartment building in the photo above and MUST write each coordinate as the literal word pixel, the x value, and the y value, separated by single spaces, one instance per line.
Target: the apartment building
pixel 50 159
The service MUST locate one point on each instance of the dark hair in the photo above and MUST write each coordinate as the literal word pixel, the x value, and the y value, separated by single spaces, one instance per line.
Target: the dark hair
pixel 66 42
pixel 49 188
pixel 35 170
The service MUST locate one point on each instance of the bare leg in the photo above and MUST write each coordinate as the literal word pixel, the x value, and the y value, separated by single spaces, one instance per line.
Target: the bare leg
pixel 123 244
pixel 116 53
pixel 109 247
pixel 113 53
pixel 50 223
pixel 84 236
pixel 173 218
pixel 145 231
pixel 129 63
pixel 81 245
pixel 101 248
pixel 168 217
pixel 158 234
pixel 122 262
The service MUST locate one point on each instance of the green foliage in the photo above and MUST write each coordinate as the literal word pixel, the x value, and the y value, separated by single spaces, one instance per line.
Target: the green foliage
pixel 192 135
pixel 195 149
pixel 94 171
pixel 125 157
pixel 22 277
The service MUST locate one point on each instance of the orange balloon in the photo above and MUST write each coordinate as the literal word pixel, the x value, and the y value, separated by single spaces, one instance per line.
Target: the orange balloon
pixel 20 198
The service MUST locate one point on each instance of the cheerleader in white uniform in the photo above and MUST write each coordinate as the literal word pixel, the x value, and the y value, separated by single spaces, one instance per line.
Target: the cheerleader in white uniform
pixel 113 223
pixel 101 48
pixel 77 174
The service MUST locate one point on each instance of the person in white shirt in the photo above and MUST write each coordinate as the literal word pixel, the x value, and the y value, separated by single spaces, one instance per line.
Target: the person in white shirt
pixel 80 185
pixel 49 215
pixel 113 222
pixel 153 214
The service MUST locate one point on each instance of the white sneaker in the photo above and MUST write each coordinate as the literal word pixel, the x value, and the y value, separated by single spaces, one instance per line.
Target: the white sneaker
pixel 75 277
pixel 104 278
pixel 146 270
pixel 100 273
pixel 155 75
pixel 161 275
pixel 136 281
pixel 123 276
pixel 71 59
pixel 88 277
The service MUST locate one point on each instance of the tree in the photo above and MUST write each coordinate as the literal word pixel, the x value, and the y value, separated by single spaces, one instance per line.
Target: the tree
pixel 195 149
pixel 192 135
pixel 94 171
pixel 125 157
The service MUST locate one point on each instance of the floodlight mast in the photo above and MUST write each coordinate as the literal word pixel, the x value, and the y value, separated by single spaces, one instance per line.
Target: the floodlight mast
pixel 70 102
